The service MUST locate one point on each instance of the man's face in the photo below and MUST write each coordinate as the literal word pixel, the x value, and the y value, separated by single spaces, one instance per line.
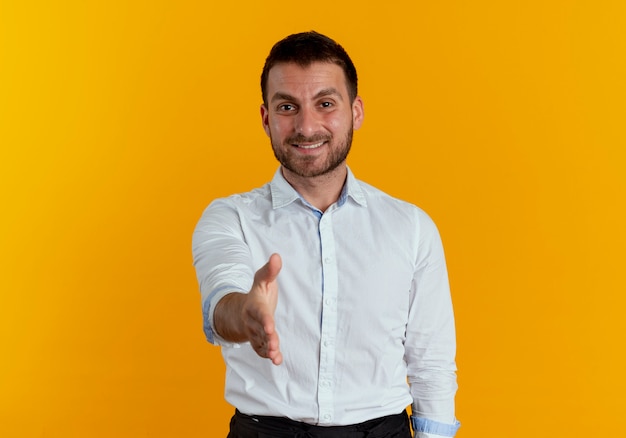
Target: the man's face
pixel 309 117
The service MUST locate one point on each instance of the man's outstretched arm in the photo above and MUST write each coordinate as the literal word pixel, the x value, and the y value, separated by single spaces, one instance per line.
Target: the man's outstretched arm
pixel 240 317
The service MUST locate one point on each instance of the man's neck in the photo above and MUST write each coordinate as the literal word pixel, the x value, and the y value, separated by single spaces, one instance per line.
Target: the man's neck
pixel 319 191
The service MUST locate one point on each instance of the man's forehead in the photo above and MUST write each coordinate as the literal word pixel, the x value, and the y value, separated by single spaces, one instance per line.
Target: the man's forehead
pixel 315 73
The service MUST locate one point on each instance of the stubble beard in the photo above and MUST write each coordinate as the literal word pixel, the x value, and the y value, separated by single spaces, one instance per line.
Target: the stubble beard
pixel 304 166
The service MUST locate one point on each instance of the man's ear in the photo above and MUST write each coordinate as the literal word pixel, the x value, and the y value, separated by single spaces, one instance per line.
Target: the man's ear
pixel 358 112
pixel 265 119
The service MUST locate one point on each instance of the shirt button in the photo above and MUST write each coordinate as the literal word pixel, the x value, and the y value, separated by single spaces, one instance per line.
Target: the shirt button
pixel 327 417
pixel 327 260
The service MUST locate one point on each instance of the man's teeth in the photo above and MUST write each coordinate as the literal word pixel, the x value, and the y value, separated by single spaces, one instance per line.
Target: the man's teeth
pixel 310 146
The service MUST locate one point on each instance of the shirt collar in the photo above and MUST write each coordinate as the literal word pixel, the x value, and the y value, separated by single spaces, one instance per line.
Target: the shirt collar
pixel 283 194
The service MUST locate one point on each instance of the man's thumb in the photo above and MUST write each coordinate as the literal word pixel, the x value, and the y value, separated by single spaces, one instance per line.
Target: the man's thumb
pixel 270 270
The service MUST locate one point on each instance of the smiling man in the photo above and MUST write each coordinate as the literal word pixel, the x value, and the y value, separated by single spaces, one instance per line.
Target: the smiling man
pixel 330 299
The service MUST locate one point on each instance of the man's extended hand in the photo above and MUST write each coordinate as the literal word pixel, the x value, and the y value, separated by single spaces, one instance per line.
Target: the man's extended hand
pixel 257 312
pixel 240 317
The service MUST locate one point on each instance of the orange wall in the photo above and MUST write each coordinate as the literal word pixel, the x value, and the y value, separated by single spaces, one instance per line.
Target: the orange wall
pixel 120 121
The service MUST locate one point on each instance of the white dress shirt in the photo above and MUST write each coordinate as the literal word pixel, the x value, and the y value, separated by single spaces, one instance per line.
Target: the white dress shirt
pixel 363 306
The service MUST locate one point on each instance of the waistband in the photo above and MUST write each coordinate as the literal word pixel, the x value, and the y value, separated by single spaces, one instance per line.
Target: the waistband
pixel 279 427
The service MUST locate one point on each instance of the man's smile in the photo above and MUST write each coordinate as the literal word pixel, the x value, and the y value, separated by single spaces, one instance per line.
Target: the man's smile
pixel 310 146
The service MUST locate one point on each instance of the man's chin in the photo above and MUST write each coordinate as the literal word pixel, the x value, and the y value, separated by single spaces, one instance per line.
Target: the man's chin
pixel 313 171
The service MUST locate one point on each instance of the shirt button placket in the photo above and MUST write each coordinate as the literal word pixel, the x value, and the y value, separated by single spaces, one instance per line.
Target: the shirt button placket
pixel 329 321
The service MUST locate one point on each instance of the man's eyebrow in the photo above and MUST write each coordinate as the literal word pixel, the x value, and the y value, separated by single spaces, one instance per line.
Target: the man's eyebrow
pixel 282 96
pixel 330 91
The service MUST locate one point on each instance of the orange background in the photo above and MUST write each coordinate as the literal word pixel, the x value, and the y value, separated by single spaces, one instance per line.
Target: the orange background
pixel 120 121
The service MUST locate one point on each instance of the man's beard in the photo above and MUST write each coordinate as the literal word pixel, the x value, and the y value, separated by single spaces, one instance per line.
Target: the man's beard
pixel 303 165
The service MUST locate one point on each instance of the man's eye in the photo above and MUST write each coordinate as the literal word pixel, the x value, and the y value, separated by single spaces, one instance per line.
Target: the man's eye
pixel 286 107
pixel 326 104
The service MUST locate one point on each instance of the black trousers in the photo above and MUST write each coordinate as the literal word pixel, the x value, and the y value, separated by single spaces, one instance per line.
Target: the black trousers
pixel 246 426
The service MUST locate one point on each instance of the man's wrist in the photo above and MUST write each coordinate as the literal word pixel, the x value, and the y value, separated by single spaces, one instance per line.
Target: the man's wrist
pixel 227 317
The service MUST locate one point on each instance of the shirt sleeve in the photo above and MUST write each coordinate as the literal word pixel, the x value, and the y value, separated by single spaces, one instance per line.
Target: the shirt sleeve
pixel 425 428
pixel 430 345
pixel 221 259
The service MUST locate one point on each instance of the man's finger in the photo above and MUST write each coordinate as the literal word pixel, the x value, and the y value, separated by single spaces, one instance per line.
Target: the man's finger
pixel 270 270
pixel 276 357
pixel 273 350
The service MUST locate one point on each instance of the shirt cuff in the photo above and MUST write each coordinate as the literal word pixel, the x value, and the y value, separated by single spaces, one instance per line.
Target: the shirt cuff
pixel 425 428
pixel 207 310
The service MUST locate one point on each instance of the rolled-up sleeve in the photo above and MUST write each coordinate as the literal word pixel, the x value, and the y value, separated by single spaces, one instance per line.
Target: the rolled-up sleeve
pixel 430 345
pixel 221 259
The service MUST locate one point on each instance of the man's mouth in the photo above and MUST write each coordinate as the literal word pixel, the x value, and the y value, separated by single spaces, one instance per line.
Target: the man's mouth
pixel 309 146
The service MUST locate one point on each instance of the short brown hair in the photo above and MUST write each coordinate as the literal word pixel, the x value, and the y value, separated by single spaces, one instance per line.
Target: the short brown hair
pixel 304 49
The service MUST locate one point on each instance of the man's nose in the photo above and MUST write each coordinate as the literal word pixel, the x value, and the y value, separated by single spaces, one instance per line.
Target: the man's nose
pixel 307 121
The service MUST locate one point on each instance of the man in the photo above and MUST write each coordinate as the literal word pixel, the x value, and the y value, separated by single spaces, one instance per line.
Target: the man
pixel 325 294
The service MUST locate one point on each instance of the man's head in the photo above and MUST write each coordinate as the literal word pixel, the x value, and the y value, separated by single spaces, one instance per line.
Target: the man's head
pixel 306 48
pixel 310 105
